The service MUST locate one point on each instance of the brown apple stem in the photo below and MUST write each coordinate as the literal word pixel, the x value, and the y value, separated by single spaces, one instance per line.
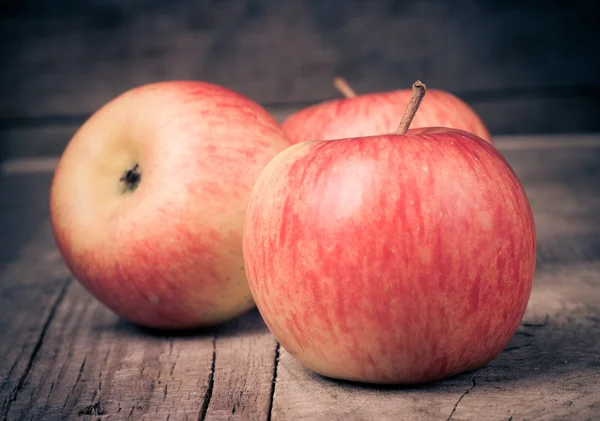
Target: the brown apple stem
pixel 131 178
pixel 418 92
pixel 343 87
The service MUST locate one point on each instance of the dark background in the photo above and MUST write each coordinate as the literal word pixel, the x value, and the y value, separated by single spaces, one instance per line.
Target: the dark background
pixel 527 66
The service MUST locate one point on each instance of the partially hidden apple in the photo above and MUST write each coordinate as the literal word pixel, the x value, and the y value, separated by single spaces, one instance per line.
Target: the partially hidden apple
pixel 377 113
pixel 398 258
pixel 148 200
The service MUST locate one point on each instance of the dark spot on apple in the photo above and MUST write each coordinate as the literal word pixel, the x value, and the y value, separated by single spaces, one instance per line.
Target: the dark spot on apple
pixel 131 178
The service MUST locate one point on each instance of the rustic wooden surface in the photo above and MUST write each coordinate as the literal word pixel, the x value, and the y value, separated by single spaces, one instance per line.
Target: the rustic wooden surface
pixel 520 64
pixel 526 67
pixel 64 356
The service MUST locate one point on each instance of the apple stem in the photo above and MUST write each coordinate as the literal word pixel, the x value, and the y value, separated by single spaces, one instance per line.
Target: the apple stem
pixel 343 87
pixel 131 178
pixel 418 92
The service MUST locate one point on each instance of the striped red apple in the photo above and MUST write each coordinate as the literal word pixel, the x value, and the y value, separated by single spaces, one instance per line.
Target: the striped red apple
pixel 148 201
pixel 396 258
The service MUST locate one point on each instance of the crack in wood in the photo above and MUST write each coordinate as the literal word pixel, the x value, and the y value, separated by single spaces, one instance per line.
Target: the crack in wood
pixel 460 398
pixel 15 392
pixel 514 348
pixel 81 368
pixel 13 366
pixel 273 382
pixel 211 381
pixel 79 374
pixel 95 409
pixel 102 368
pixel 542 324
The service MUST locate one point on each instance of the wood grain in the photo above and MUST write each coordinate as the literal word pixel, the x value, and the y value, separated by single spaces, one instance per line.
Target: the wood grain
pixel 516 62
pixel 28 307
pixel 303 395
pixel 245 358
pixel 561 185
pixel 24 211
pixel 93 363
pixel 33 280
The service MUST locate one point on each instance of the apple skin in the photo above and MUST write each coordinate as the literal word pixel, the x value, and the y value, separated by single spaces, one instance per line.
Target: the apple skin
pixel 380 113
pixel 168 254
pixel 397 259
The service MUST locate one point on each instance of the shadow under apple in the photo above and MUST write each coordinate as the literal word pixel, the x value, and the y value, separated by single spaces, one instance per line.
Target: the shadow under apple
pixel 248 323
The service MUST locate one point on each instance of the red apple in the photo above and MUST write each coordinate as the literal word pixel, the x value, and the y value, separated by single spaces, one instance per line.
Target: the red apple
pixel 148 201
pixel 377 113
pixel 398 258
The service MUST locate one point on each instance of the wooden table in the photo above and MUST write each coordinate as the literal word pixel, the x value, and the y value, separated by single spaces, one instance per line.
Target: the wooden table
pixel 64 356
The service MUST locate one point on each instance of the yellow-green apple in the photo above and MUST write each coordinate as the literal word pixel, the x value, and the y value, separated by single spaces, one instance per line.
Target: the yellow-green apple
pixel 148 201
pixel 377 113
pixel 398 258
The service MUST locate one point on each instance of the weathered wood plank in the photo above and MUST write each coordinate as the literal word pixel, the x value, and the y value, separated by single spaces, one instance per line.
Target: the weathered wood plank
pixel 551 368
pixel 93 363
pixel 562 186
pixel 303 395
pixel 24 210
pixel 34 141
pixel 28 308
pixel 71 57
pixel 32 279
pixel 245 358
